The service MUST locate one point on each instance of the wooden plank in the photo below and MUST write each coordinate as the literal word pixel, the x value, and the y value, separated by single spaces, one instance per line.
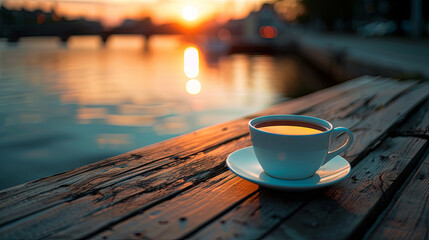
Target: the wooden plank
pixel 122 191
pixel 182 146
pixel 364 100
pixel 255 216
pixel 258 215
pixel 64 194
pixel 107 205
pixel 418 124
pixel 409 217
pixel 350 208
pixel 374 118
pixel 377 124
pixel 63 217
pixel 156 215
pixel 360 104
pixel 184 213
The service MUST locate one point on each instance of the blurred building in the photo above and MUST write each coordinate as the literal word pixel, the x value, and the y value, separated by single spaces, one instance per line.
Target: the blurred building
pixel 369 17
pixel 250 26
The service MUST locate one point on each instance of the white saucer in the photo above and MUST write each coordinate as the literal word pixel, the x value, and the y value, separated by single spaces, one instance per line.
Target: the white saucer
pixel 244 163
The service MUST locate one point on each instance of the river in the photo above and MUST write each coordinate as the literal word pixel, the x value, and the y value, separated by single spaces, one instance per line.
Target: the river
pixel 62 107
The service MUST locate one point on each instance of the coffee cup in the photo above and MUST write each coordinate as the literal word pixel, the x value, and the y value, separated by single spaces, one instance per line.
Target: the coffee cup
pixel 293 146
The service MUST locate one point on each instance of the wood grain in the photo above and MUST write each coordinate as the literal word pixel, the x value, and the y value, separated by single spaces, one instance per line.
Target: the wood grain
pixel 349 209
pixel 409 217
pixel 184 213
pixel 254 217
pixel 107 205
pixel 377 124
pixel 418 125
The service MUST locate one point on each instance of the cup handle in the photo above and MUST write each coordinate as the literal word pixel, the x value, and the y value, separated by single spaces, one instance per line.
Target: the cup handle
pixel 336 132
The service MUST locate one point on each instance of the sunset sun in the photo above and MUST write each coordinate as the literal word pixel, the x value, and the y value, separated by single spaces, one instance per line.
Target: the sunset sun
pixel 189 13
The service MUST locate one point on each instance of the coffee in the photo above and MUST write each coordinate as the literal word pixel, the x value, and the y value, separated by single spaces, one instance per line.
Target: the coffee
pixel 286 127
pixel 299 147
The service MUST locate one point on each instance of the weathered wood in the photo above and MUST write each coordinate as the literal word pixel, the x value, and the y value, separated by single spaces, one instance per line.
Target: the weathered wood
pixel 375 117
pixel 409 217
pixel 377 124
pixel 184 213
pixel 361 112
pixel 418 125
pixel 57 218
pixel 361 102
pixel 255 217
pixel 123 198
pixel 346 211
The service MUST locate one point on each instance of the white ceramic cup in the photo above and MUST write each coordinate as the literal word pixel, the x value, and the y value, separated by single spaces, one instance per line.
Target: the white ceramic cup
pixel 295 156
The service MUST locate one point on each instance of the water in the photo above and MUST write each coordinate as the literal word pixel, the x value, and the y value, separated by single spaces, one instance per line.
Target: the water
pixel 62 107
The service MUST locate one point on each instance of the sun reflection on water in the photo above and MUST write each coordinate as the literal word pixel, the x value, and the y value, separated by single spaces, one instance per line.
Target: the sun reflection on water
pixel 192 68
pixel 193 86
pixel 191 62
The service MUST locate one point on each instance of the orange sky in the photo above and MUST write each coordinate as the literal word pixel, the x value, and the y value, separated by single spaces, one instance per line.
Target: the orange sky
pixel 112 12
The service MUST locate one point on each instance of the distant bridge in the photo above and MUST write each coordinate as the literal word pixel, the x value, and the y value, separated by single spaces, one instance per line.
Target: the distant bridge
pixel 65 30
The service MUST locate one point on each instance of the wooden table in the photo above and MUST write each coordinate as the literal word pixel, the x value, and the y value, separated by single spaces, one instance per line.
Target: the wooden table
pixel 181 188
